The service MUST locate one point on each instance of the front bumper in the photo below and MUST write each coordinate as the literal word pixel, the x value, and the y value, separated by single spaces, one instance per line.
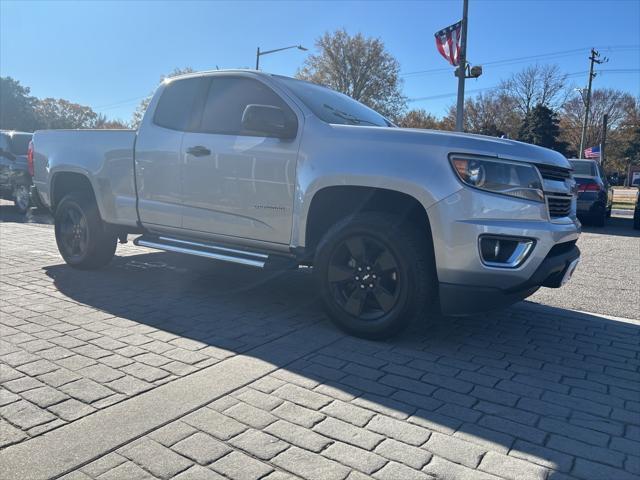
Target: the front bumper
pixel 456 299
pixel 458 221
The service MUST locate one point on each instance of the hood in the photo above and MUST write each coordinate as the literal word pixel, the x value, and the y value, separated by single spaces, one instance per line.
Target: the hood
pixel 457 142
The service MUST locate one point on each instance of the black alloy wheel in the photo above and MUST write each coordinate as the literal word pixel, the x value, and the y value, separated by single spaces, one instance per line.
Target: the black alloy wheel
pixel 376 274
pixel 364 277
pixel 74 233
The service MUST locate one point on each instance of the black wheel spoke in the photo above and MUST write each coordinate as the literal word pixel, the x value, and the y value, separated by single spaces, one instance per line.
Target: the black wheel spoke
pixel 339 273
pixel 385 299
pixel 73 215
pixel 356 248
pixel 385 262
pixel 355 302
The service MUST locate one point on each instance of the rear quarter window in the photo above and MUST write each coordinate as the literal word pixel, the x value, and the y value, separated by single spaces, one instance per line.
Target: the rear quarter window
pixel 175 109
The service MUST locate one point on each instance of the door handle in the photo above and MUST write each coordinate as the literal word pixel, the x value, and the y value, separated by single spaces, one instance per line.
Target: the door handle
pixel 198 151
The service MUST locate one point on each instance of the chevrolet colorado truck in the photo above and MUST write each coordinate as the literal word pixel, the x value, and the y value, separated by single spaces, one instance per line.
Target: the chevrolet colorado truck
pixel 269 171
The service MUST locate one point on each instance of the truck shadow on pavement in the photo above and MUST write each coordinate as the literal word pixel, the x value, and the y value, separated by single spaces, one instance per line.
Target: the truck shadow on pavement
pixel 553 385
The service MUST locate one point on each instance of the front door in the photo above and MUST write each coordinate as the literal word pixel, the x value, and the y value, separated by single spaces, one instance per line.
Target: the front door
pixel 234 183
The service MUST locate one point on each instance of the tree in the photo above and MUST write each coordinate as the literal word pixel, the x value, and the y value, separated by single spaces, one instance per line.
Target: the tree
pixel 623 142
pixel 358 67
pixel 615 103
pixel 104 123
pixel 419 118
pixel 16 106
pixel 493 113
pixel 536 85
pixel 136 118
pixel 541 127
pixel 52 113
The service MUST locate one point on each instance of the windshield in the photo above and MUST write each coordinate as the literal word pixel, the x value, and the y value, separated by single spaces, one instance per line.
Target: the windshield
pixel 333 107
pixel 19 143
pixel 583 168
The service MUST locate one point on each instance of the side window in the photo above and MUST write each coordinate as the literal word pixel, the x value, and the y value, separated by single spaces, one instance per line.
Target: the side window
pixel 227 99
pixel 175 108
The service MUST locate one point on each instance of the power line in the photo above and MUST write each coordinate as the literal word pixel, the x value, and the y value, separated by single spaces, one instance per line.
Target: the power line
pixel 512 61
pixel 477 90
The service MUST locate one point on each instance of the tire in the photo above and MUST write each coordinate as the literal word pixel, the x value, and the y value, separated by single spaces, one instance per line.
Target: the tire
pixel 83 240
pixel 376 275
pixel 21 198
pixel 599 218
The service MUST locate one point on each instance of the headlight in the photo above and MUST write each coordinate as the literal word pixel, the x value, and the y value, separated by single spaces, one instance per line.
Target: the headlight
pixel 499 176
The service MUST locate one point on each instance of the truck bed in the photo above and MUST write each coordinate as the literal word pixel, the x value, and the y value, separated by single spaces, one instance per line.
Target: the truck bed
pixel 105 157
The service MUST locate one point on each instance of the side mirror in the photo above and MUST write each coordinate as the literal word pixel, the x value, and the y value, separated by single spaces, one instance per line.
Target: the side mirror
pixel 269 121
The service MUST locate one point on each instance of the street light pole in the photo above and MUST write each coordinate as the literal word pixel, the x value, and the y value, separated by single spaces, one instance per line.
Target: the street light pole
pixel 267 52
pixel 462 68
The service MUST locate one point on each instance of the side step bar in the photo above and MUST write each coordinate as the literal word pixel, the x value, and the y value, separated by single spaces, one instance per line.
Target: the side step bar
pixel 213 251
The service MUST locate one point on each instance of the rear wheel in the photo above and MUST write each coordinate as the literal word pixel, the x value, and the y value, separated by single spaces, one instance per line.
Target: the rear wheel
pixel 82 238
pixel 376 276
pixel 21 198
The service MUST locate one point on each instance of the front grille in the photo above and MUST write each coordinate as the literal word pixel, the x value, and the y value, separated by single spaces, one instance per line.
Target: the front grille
pixel 559 205
pixel 554 173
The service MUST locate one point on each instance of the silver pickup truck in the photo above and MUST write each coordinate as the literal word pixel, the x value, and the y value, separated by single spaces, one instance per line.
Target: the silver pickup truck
pixel 269 171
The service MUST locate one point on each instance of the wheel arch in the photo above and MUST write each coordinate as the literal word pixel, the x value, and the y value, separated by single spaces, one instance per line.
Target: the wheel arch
pixel 63 183
pixel 331 204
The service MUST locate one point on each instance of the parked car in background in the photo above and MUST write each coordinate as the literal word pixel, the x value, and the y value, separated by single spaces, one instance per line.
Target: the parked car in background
pixel 15 178
pixel 636 214
pixel 264 170
pixel 595 195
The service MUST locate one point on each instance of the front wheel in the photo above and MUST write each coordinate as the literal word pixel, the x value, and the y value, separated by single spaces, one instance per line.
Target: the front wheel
pixel 21 198
pixel 83 240
pixel 376 275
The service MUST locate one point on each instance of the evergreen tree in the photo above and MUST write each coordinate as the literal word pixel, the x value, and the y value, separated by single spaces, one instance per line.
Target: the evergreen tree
pixel 541 127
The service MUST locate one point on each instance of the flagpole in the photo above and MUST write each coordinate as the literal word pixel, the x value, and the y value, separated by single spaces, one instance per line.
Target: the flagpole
pixel 462 69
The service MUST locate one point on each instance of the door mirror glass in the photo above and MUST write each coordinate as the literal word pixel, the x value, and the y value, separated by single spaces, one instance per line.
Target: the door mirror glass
pixel 268 120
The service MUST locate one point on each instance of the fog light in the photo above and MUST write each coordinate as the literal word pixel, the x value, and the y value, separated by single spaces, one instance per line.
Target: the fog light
pixel 504 252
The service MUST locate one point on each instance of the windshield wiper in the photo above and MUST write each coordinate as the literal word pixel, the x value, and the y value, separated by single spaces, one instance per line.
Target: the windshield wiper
pixel 348 117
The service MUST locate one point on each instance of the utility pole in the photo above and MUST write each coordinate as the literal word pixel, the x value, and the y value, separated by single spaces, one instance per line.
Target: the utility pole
pixel 258 59
pixel 462 69
pixel 605 118
pixel 595 58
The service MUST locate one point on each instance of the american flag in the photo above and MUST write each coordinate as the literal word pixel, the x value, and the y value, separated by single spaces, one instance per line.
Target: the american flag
pixel 448 43
pixel 592 152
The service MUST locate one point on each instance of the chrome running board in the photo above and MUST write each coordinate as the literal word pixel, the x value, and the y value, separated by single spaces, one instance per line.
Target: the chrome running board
pixel 207 250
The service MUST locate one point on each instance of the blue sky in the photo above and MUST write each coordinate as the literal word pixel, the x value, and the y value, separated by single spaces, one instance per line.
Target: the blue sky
pixel 109 54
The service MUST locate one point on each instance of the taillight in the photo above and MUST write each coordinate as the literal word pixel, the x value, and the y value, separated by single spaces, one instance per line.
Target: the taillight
pixel 30 159
pixel 589 187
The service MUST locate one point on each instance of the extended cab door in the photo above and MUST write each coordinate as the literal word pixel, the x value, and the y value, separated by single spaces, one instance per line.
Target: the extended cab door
pixel 237 183
pixel 158 151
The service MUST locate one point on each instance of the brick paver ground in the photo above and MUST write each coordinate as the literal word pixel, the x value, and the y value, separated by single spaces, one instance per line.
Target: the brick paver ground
pixel 530 392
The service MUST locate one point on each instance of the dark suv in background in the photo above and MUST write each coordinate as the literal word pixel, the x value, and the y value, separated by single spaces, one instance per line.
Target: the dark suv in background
pixel 15 177
pixel 595 196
